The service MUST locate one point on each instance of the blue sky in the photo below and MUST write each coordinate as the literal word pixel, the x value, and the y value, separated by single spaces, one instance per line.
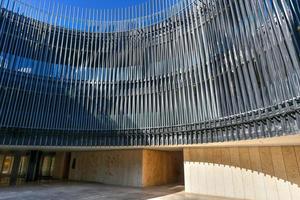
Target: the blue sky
pixel 104 4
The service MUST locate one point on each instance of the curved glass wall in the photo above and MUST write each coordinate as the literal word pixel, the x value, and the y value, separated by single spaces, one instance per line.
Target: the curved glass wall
pixel 217 67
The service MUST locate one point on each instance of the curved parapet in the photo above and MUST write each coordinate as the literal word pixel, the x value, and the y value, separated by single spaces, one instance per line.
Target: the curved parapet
pixel 161 73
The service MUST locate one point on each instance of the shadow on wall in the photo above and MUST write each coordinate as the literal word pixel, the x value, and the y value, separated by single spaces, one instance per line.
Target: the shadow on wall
pixel 62 111
pixel 244 172
pixel 228 181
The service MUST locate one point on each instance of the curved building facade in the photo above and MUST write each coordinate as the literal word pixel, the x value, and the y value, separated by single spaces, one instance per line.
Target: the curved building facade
pixel 165 72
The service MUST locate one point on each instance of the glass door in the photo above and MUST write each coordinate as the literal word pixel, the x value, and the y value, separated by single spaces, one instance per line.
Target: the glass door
pixel 6 169
pixel 23 167
pixel 47 165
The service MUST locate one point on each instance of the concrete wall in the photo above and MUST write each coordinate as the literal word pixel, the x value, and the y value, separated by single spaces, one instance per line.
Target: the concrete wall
pixel 138 168
pixel 162 167
pixel 244 172
pixel 110 167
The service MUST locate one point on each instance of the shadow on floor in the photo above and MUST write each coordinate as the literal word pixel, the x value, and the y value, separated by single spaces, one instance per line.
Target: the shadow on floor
pixel 93 191
pixel 75 191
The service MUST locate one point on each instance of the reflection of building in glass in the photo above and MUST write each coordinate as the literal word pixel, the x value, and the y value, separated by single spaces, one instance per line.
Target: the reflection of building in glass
pixel 177 72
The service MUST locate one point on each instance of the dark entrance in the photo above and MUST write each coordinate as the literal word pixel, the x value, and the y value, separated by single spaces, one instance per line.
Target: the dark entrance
pixel 24 166
pixel 14 167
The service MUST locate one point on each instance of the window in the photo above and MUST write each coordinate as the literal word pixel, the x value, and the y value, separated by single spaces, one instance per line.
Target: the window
pixel 7 165
pixel 23 166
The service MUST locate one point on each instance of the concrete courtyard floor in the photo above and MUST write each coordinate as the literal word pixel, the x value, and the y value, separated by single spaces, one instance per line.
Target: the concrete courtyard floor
pixel 94 191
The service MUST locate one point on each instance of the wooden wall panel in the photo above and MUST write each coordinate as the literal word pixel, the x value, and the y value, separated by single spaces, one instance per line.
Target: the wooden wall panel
pixel 186 154
pixel 163 167
pixel 210 155
pixel 244 158
pixel 297 152
pixel 226 159
pixel 255 162
pixel 278 163
pixel 234 155
pixel 266 160
pixel 59 165
pixel 291 166
pixel 1 160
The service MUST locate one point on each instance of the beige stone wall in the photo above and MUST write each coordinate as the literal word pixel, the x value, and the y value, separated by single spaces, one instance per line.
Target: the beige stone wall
pixel 162 167
pixel 109 167
pixel 244 172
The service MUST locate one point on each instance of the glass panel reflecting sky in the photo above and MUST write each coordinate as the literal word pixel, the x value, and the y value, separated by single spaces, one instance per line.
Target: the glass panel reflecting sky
pixel 100 4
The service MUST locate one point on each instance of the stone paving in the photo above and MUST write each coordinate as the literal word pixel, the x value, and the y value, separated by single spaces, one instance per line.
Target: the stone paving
pixel 94 191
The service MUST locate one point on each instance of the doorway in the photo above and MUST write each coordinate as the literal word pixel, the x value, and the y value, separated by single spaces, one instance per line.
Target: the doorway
pixel 8 160
pixel 47 166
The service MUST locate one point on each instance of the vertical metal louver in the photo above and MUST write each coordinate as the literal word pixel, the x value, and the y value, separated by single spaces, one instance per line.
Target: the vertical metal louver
pixel 161 73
